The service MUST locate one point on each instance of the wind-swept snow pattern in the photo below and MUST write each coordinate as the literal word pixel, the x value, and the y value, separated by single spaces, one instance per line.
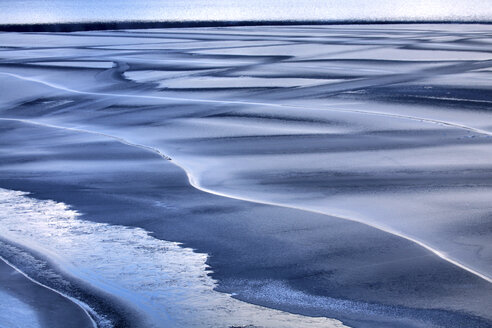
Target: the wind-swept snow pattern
pixel 329 171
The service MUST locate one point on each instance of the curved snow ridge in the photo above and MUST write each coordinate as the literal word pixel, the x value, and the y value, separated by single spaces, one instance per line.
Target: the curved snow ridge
pixel 249 103
pixel 194 181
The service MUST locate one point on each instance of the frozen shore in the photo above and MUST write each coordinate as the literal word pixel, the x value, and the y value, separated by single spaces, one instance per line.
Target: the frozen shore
pixel 26 304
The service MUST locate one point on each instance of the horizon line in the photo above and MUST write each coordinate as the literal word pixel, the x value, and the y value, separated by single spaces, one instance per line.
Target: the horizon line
pixel 135 24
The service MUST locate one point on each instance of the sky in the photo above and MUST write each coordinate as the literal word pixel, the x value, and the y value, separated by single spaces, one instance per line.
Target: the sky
pixel 56 11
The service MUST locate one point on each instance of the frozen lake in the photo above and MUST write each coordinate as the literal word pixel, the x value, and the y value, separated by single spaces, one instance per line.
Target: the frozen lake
pixel 309 175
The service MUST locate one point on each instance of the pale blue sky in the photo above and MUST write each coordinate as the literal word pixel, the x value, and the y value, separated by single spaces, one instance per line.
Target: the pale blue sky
pixel 47 11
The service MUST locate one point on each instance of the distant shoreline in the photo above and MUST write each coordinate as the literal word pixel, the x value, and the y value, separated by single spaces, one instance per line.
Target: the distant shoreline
pixel 92 26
